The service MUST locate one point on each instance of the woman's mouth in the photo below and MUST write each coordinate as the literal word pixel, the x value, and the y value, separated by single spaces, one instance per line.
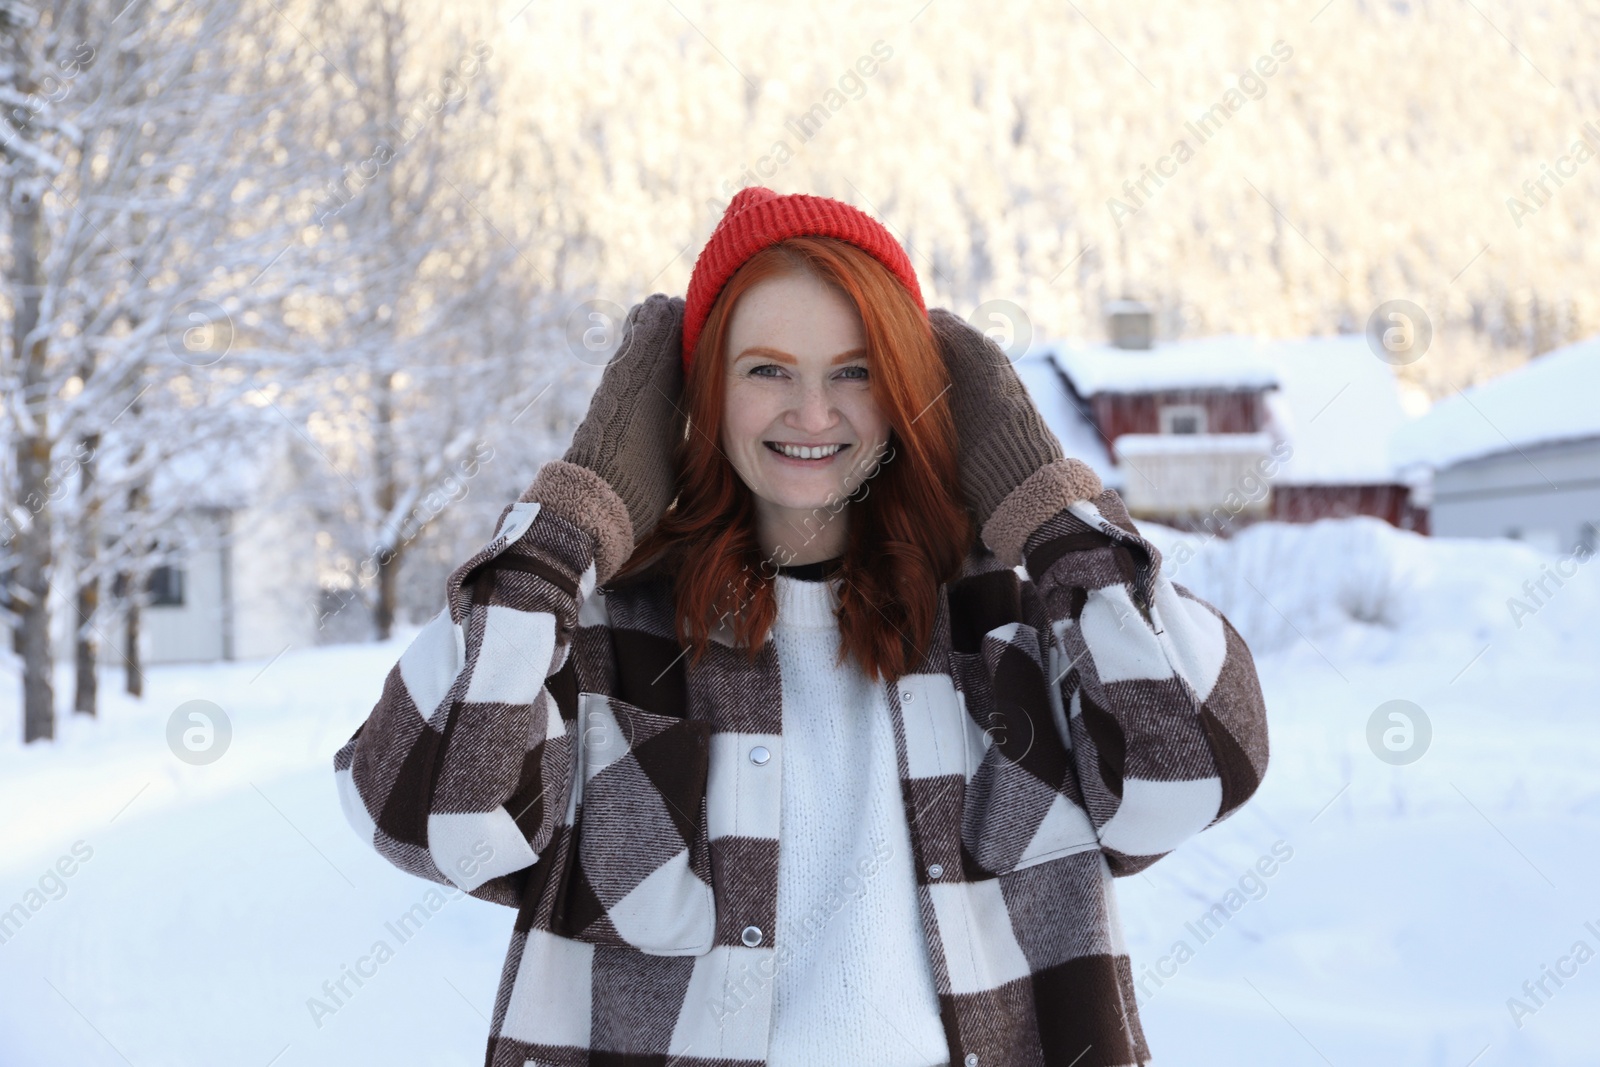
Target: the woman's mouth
pixel 805 455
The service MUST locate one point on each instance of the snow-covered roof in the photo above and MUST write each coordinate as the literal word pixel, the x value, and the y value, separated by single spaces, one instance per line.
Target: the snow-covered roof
pixel 1339 408
pixel 1167 444
pixel 1072 427
pixel 229 472
pixel 1555 397
pixel 1224 362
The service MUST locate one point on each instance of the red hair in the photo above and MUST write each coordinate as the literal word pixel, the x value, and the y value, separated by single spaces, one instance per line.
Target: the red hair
pixel 909 531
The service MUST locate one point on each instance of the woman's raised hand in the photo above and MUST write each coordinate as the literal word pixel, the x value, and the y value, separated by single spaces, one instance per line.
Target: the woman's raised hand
pixel 1002 437
pixel 635 419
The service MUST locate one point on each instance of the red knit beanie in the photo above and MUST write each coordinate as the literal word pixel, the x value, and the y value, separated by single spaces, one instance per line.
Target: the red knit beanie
pixel 758 217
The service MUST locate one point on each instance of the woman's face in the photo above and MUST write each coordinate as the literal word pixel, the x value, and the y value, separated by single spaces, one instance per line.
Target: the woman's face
pixel 797 370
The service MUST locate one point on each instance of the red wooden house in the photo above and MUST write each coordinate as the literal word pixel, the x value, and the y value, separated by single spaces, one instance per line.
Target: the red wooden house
pixel 1217 432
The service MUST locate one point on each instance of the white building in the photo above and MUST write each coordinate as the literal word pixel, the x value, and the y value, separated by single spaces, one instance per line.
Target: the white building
pixel 248 588
pixel 1518 456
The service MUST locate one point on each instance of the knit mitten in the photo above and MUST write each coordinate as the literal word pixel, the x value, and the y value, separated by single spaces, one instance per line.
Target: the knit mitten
pixel 634 420
pixel 1002 437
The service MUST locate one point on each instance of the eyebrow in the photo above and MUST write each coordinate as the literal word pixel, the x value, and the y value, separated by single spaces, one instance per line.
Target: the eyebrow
pixel 783 357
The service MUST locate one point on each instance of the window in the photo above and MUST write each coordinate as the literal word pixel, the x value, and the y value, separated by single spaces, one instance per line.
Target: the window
pixel 166 587
pixel 164 584
pixel 1183 418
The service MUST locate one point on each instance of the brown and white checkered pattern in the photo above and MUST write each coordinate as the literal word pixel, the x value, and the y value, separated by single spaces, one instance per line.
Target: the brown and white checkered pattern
pixel 545 744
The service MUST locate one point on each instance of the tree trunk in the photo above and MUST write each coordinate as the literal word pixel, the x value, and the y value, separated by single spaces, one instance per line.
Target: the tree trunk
pixel 134 583
pixel 87 685
pixel 30 587
pixel 383 610
pixel 32 592
pixel 388 591
pixel 133 675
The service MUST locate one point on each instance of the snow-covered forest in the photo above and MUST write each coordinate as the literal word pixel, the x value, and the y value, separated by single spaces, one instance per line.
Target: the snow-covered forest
pixel 225 219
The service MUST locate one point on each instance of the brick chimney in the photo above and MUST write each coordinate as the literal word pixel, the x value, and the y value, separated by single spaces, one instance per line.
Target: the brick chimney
pixel 1129 324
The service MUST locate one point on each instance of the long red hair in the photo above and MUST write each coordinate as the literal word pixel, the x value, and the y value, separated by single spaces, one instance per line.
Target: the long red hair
pixel 908 529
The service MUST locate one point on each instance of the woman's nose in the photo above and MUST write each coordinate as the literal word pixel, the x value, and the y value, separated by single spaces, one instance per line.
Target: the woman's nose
pixel 814 408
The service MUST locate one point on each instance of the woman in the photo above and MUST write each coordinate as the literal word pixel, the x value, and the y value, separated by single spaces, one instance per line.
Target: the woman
pixel 818 737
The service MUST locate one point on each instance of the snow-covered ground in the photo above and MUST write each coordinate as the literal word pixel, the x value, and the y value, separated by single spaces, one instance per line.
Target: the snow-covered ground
pixel 1371 912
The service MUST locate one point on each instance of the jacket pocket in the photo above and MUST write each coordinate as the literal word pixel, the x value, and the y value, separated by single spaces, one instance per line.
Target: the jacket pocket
pixel 1021 805
pixel 640 875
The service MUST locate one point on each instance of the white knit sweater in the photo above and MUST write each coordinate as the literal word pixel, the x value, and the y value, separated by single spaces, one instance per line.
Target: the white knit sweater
pixel 856 987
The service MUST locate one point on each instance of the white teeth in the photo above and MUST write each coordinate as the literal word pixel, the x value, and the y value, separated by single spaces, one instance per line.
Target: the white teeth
pixel 809 452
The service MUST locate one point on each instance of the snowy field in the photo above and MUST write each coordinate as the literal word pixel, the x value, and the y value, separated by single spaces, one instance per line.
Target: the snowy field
pixel 1362 912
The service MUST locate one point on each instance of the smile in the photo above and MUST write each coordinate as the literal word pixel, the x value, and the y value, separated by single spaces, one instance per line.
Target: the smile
pixel 808 454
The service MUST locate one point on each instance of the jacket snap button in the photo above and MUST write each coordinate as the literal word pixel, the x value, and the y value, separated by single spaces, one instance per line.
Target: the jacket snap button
pixel 972 1059
pixel 935 870
pixel 906 696
pixel 751 936
pixel 758 756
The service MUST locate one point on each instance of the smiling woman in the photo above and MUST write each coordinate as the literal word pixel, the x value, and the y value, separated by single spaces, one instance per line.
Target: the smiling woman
pixel 875 817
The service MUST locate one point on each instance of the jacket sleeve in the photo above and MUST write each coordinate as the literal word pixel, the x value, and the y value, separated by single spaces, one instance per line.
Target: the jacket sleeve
pixel 1154 692
pixel 462 771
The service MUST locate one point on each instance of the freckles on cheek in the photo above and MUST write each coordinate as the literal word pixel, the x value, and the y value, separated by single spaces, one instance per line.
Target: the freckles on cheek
pixel 737 425
pixel 747 413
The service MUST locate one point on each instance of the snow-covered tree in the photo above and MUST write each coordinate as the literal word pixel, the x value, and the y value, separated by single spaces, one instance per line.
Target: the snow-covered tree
pixel 142 199
pixel 431 323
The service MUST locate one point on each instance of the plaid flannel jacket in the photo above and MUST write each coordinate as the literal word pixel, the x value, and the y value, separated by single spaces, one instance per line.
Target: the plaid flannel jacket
pixel 544 744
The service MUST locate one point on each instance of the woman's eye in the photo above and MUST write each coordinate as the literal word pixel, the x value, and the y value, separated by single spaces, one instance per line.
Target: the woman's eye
pixel 853 374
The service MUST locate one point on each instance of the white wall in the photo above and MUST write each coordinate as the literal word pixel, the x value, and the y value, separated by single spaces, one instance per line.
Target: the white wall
pixel 1543 494
pixel 275 581
pixel 192 631
pixel 186 633
pixel 270 555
